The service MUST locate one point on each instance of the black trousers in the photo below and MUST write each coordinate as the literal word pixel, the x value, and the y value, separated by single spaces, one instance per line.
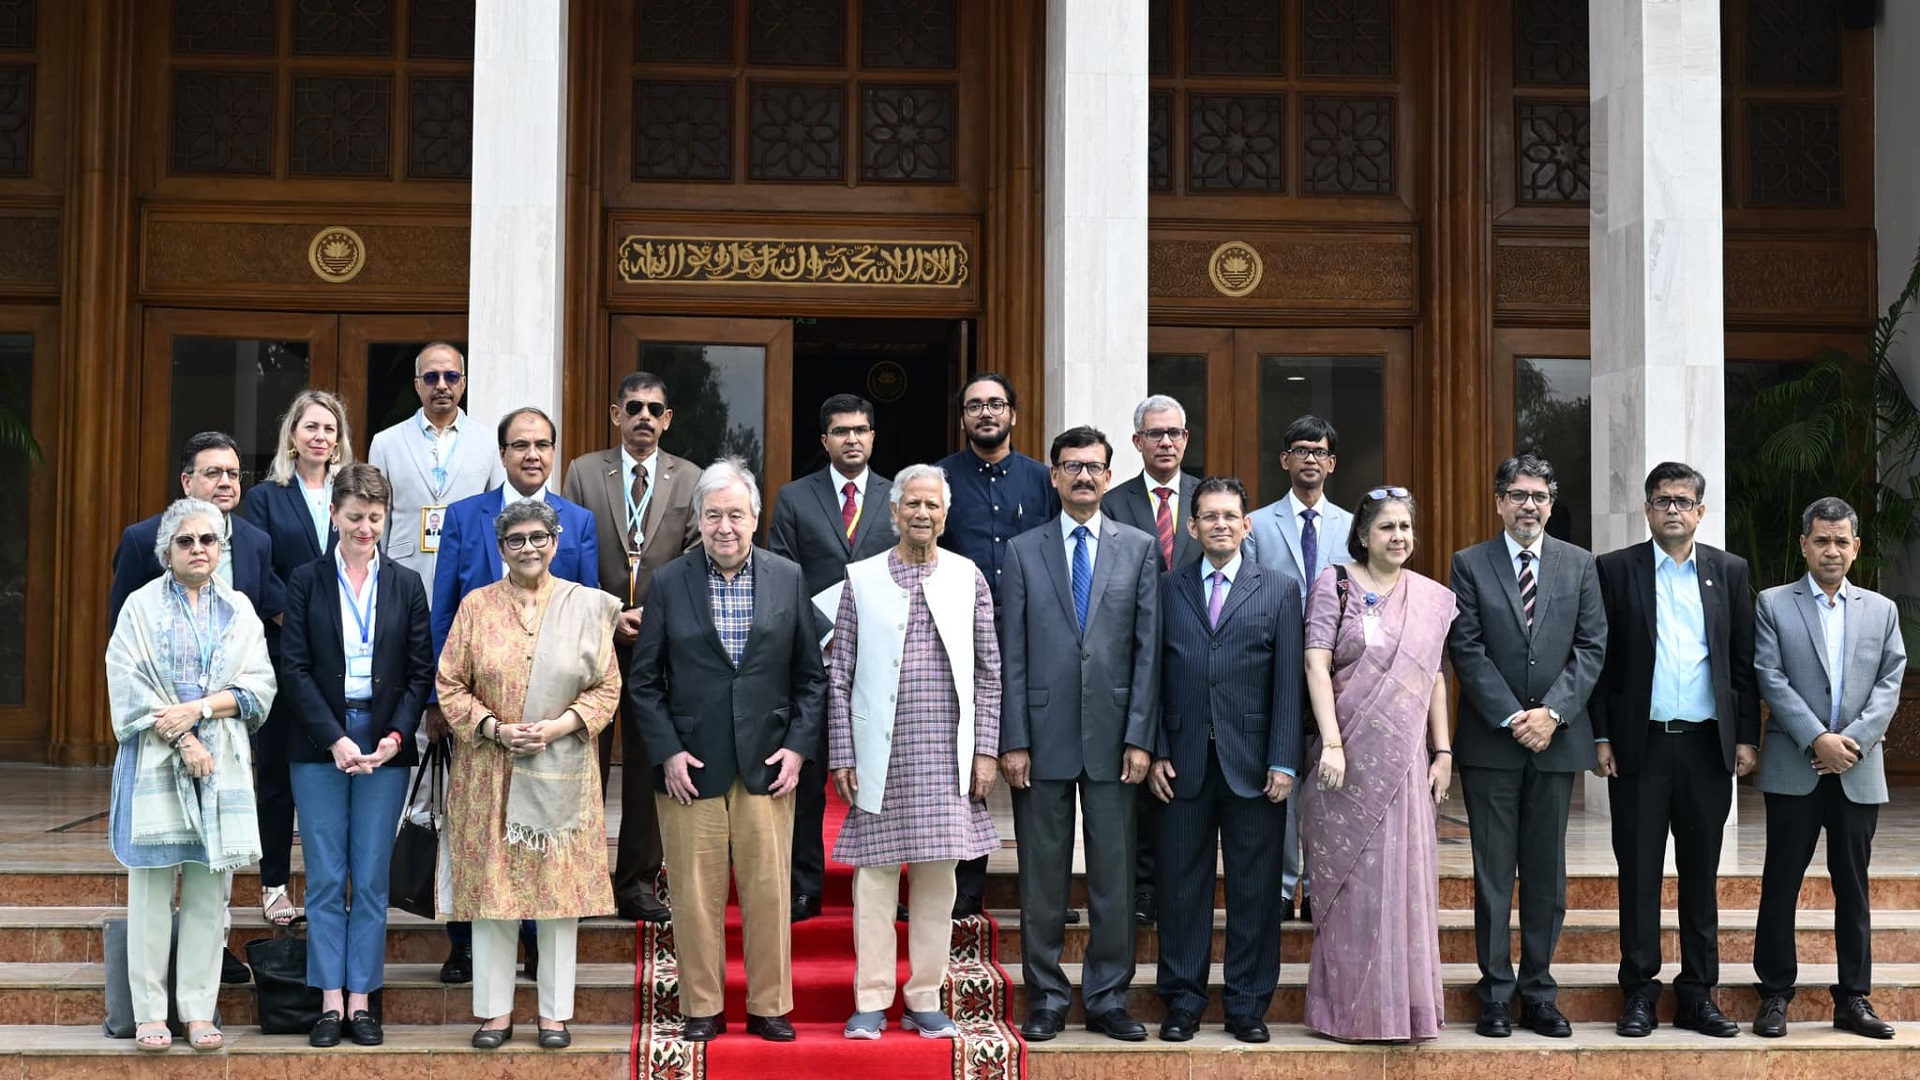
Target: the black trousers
pixel 1146 826
pixel 1793 828
pixel 809 872
pixel 1682 789
pixel 637 861
pixel 273 793
pixel 1517 825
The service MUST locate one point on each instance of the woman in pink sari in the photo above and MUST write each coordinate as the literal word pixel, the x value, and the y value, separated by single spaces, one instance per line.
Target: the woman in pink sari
pixel 1381 764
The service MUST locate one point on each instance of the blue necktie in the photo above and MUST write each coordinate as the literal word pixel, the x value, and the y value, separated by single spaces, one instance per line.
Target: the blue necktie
pixel 1309 544
pixel 1082 575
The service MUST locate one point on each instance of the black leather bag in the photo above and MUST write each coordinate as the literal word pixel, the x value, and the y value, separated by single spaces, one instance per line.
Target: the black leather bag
pixel 411 876
pixel 283 1002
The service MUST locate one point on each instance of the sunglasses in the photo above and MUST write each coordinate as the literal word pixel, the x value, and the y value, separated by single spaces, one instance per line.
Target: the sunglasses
pixel 187 541
pixel 435 378
pixel 657 409
pixel 1389 493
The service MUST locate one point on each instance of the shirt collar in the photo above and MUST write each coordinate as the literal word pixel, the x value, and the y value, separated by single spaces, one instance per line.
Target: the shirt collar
pixel 510 494
pixel 1662 560
pixel 627 463
pixel 1514 547
pixel 1147 480
pixel 1232 569
pixel 340 564
pixel 1820 594
pixel 420 417
pixel 1294 505
pixel 840 480
pixel 713 568
pixel 1067 524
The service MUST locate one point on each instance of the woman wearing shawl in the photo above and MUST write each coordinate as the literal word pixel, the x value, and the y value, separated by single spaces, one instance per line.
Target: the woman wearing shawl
pixel 527 680
pixel 188 680
pixel 1381 764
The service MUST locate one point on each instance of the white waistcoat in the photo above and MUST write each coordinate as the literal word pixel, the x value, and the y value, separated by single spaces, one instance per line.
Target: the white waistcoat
pixel 882 606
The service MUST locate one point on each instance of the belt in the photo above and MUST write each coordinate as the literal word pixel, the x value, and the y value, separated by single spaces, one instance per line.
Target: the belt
pixel 360 704
pixel 1682 727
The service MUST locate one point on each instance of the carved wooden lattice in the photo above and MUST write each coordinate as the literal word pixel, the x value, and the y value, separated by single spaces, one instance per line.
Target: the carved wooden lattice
pixel 796 131
pixel 683 130
pixel 1550 42
pixel 1793 43
pixel 223 122
pixel 1347 38
pixel 440 133
pixel 1553 151
pixel 1793 156
pixel 907 34
pixel 343 27
pixel 1236 142
pixel 17 24
pixel 1160 140
pixel 684 32
pixel 440 29
pixel 223 27
pixel 809 33
pixel 1235 37
pixel 906 133
pixel 342 125
pixel 1346 146
pixel 16 120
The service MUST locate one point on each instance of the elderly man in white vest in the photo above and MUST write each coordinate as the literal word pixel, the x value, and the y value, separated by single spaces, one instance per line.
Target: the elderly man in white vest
pixel 913 734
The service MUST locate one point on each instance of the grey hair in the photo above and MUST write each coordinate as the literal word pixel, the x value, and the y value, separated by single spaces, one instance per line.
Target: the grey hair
pixel 178 514
pixel 721 475
pixel 523 511
pixel 1154 403
pixel 907 476
pixel 1830 508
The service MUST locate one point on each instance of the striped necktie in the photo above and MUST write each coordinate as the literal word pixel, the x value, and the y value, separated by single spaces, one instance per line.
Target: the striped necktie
pixel 1163 524
pixel 1528 587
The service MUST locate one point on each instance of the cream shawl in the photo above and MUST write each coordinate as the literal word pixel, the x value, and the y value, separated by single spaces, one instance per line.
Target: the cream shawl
pixel 546 796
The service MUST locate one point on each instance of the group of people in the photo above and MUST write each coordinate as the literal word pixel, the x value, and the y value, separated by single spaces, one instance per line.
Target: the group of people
pixel 1154 658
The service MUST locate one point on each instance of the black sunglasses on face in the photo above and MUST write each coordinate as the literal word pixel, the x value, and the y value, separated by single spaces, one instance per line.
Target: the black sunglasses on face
pixel 657 408
pixel 435 378
pixel 187 542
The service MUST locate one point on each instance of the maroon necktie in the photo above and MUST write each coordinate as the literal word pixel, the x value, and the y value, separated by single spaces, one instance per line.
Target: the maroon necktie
pixel 1163 524
pixel 849 510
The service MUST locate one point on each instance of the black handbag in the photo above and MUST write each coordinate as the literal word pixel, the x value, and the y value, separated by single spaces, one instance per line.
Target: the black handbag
pixel 283 1002
pixel 411 876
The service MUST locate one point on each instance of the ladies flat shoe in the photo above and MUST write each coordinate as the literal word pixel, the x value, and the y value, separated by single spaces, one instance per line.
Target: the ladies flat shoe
pixel 202 1035
pixel 555 1038
pixel 365 1030
pixel 326 1032
pixel 491 1038
pixel 153 1036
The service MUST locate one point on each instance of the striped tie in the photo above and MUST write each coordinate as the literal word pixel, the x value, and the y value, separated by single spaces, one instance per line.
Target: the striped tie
pixel 1163 524
pixel 1528 588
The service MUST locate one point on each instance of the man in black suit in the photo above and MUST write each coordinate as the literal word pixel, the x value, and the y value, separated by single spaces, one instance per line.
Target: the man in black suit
pixel 1231 682
pixel 1527 646
pixel 1677 714
pixel 1158 502
pixel 729 691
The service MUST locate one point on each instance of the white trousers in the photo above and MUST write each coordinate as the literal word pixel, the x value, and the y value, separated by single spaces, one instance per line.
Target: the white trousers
pixel 496 951
pixel 876 892
pixel 150 938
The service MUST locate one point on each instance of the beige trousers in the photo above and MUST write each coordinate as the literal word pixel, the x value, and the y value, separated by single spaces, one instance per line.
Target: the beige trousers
pixel 150 937
pixel 876 893
pixel 758 832
pixel 496 952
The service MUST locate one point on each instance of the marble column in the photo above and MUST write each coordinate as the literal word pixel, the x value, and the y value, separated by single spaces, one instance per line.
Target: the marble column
pixel 1096 219
pixel 1657 316
pixel 1896 214
pixel 515 290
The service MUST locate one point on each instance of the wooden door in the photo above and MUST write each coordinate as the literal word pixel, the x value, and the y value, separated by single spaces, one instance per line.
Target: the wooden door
pixel 29 394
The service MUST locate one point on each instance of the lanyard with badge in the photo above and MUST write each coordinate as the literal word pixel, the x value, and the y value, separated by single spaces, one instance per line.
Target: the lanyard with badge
pixel 636 528
pixel 202 645
pixel 360 662
pixel 434 513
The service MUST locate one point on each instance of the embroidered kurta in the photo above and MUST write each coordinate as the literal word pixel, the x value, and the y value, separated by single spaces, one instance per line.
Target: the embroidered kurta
pixel 484 669
pixel 924 816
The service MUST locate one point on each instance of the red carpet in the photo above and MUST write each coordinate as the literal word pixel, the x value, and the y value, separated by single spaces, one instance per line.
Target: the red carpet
pixel 976 996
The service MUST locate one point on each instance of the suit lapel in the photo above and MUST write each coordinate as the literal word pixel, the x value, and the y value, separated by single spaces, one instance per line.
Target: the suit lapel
pixel 614 484
pixel 701 598
pixel 329 605
pixel 874 508
pixel 1810 617
pixel 1243 588
pixel 1185 547
pixel 1187 583
pixel 387 612
pixel 1290 532
pixel 490 510
pixel 1509 578
pixel 1706 567
pixel 1643 585
pixel 824 484
pixel 1053 553
pixel 1103 568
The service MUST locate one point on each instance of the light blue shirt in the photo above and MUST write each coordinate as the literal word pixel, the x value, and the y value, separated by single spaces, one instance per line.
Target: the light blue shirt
pixel 1067 525
pixel 1682 681
pixel 363 601
pixel 1833 627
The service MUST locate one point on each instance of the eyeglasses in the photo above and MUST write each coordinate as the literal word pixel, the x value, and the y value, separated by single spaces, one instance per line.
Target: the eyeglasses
pixel 1167 434
pixel 521 446
pixel 1666 503
pixel 1082 468
pixel 1388 493
pixel 435 378
pixel 1311 453
pixel 992 407
pixel 516 541
pixel 187 542
pixel 657 409
pixel 1218 517
pixel 216 474
pixel 1522 498
pixel 859 432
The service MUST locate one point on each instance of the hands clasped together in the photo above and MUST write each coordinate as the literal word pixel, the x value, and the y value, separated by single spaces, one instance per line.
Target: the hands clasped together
pixel 172 724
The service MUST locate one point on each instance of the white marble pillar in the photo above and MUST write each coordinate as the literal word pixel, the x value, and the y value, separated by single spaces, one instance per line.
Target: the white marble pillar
pixel 1096 218
pixel 515 290
pixel 1896 213
pixel 1658 318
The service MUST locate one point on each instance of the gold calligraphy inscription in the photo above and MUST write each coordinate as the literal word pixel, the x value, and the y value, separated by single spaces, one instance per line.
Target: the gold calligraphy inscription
pixel 723 260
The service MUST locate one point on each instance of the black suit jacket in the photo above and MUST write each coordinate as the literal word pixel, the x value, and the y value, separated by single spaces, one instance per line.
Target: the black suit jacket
pixel 1243 684
pixel 806 528
pixel 313 658
pixel 684 694
pixel 1622 704
pixel 253 575
pixel 1129 504
pixel 281 513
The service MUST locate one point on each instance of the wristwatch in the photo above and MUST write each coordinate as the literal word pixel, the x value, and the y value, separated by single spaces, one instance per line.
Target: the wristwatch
pixel 1558 720
pixel 206 709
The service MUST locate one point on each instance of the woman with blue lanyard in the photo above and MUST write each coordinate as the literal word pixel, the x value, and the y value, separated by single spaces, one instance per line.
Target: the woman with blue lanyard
pixel 356 654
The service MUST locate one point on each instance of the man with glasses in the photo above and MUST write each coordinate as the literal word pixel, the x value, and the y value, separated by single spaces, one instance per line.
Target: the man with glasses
pixel 824 521
pixel 1301 535
pixel 642 502
pixel 1527 645
pixel 1678 715
pixel 1158 502
pixel 998 493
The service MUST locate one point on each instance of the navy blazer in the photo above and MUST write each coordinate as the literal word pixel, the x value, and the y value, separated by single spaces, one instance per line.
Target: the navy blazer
pixel 470 556
pixel 253 573
pixel 1242 685
pixel 313 658
pixel 281 512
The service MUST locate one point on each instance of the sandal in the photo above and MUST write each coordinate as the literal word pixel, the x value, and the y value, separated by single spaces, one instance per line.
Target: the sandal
pixel 202 1035
pixel 152 1035
pixel 277 906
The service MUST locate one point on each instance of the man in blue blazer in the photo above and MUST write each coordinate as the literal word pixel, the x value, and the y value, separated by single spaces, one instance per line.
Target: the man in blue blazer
pixel 1232 684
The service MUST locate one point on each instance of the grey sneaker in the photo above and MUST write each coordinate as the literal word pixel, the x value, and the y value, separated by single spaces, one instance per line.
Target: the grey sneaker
pixel 865 1025
pixel 931 1025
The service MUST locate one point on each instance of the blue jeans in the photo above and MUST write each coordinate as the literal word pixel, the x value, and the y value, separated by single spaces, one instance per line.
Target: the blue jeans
pixel 347 825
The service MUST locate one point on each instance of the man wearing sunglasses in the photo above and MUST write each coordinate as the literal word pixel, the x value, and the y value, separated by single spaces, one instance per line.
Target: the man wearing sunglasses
pixel 642 503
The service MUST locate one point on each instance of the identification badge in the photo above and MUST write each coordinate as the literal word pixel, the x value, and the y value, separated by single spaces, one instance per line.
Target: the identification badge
pixel 431 519
pixel 360 667
pixel 1370 624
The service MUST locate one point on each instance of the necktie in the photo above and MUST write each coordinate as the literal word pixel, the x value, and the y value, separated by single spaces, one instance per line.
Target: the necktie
pixel 1309 543
pixel 1527 586
pixel 1082 575
pixel 639 496
pixel 1216 600
pixel 1163 524
pixel 849 511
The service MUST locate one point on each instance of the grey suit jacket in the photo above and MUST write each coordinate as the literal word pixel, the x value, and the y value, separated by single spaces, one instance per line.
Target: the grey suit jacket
pixel 669 531
pixel 404 457
pixel 1077 701
pixel 1129 504
pixel 1505 667
pixel 1274 542
pixel 806 526
pixel 1790 665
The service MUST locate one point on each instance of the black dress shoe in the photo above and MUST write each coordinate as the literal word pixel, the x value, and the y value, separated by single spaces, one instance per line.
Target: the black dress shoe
pixel 1706 1018
pixel 704 1028
pixel 1248 1029
pixel 364 1030
pixel 1143 906
pixel 1286 909
pixel 492 1038
pixel 965 904
pixel 532 970
pixel 1546 1020
pixel 1637 1019
pixel 232 970
pixel 1495 1021
pixel 1042 1024
pixel 1306 909
pixel 326 1031
pixel 641 911
pixel 900 913
pixel 1179 1026
pixel 1771 1021
pixel 1115 1023
pixel 805 906
pixel 1073 916
pixel 555 1038
pixel 770 1028
pixel 1854 1013
pixel 459 965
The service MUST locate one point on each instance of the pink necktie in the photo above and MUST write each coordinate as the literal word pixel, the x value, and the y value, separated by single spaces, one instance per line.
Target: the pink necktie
pixel 1216 601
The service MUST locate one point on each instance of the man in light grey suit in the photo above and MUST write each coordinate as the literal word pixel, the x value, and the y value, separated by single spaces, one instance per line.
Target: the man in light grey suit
pixel 1300 536
pixel 1079 713
pixel 1527 645
pixel 1829 659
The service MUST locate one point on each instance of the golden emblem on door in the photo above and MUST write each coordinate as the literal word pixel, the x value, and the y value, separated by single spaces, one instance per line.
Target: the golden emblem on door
pixel 337 254
pixel 1235 268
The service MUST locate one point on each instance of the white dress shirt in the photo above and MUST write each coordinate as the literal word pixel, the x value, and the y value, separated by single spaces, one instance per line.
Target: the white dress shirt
pixel 357 689
pixel 1833 626
pixel 1067 525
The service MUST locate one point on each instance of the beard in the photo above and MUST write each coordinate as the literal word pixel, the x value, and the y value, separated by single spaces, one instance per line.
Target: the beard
pixel 991 442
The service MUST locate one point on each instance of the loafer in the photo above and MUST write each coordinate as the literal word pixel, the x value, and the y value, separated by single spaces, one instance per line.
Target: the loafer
pixel 1706 1018
pixel 555 1038
pixel 1073 916
pixel 966 905
pixel 1143 906
pixel 805 906
pixel 770 1028
pixel 1116 1023
pixel 492 1038
pixel 1636 1020
pixel 232 971
pixel 1495 1022
pixel 865 1025
pixel 932 1024
pixel 1771 1021
pixel 1042 1025
pixel 1854 1013
pixel 704 1028
pixel 1547 1020
pixel 1179 1026
pixel 326 1031
pixel 459 965
pixel 364 1030
pixel 1248 1029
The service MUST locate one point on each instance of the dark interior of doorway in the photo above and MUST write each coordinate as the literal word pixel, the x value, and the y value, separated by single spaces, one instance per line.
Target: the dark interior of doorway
pixel 908 368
